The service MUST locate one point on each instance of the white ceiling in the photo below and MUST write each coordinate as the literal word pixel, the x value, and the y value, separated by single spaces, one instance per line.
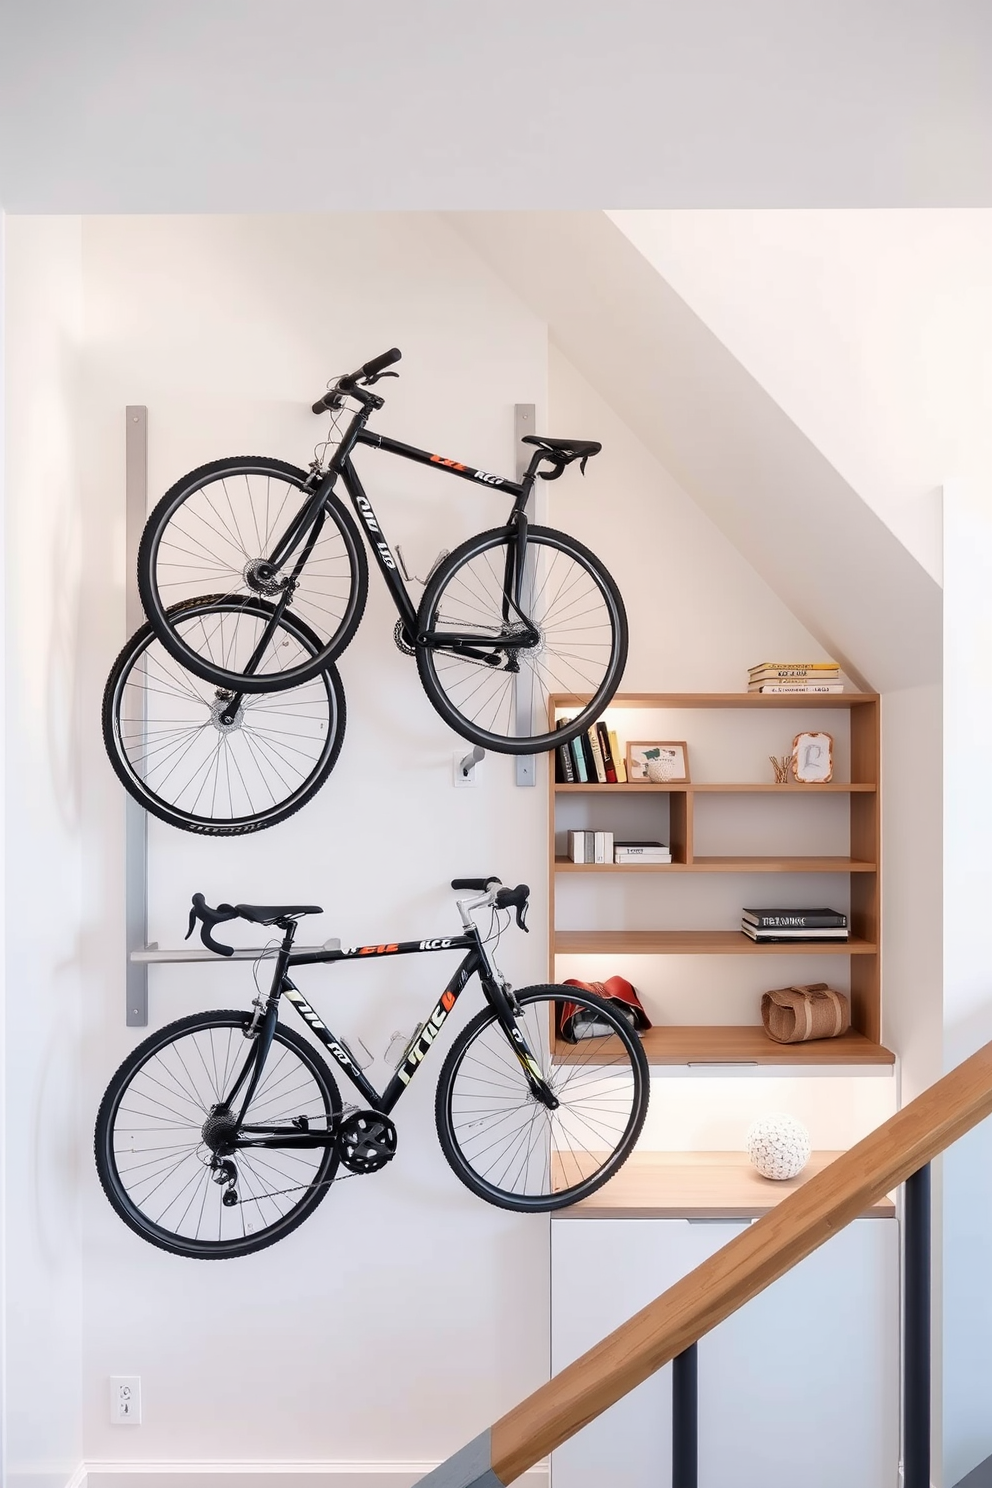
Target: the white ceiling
pixel 274 105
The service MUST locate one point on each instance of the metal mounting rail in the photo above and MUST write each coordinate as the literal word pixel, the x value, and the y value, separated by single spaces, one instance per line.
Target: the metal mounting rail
pixel 151 955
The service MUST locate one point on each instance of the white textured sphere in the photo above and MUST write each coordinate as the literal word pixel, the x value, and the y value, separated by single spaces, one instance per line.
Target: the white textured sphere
pixel 779 1146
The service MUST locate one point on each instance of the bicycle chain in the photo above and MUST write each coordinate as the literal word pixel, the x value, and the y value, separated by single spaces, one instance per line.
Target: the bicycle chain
pixel 346 1111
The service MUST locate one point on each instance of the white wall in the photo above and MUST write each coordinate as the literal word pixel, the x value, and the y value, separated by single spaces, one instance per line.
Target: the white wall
pixel 967 975
pixel 44 844
pixel 380 1330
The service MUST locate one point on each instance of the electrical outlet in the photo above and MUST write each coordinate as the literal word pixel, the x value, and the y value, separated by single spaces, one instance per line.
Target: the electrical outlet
pixel 125 1400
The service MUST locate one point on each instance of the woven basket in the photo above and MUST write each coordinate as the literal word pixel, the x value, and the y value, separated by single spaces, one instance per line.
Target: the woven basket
pixel 793 1015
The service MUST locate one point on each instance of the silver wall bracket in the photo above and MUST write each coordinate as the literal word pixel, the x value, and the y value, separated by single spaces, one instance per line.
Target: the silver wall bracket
pixel 135 819
pixel 524 415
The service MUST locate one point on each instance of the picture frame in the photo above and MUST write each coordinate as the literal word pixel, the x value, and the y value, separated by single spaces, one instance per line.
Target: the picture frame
pixel 813 758
pixel 668 757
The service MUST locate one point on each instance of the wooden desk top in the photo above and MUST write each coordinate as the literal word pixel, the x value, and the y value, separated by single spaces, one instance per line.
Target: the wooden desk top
pixel 698 1185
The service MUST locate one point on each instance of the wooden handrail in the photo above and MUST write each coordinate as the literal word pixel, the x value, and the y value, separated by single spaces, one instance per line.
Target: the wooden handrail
pixel 743 1268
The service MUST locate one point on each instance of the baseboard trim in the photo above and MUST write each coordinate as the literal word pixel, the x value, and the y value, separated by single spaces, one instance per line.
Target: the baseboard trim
pixel 267 1475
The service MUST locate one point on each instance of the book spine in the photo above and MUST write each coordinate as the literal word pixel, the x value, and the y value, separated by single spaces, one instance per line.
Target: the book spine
pixel 564 768
pixel 579 760
pixel 800 669
pixel 597 755
pixel 799 923
pixel 810 687
pixel 618 760
pixel 576 846
pixel 603 734
pixel 599 851
pixel 590 846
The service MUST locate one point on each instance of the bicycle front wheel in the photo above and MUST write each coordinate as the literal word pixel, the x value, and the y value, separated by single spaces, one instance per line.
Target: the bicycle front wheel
pixel 173 1186
pixel 191 758
pixel 503 1142
pixel 216 529
pixel 497 695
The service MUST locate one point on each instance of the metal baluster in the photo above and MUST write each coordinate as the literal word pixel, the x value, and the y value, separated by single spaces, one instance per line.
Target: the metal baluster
pixel 916 1361
pixel 685 1419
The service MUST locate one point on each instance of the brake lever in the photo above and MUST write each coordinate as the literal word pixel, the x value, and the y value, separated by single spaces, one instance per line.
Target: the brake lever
pixel 371 381
pixel 522 917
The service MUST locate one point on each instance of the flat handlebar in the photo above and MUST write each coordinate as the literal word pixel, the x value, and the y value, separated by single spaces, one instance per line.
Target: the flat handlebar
pixel 369 370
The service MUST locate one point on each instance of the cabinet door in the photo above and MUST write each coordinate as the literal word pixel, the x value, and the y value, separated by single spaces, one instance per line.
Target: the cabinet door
pixel 602 1272
pixel 802 1384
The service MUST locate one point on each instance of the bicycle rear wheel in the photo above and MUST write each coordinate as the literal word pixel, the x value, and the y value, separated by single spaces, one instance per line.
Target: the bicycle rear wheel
pixel 176 749
pixel 498 696
pixel 163 1177
pixel 215 529
pixel 503 1142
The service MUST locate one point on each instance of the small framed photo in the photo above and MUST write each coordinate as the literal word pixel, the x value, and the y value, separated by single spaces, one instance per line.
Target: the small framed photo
pixel 813 758
pixel 662 763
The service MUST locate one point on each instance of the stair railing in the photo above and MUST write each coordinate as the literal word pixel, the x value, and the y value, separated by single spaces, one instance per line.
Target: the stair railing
pixel 669 1328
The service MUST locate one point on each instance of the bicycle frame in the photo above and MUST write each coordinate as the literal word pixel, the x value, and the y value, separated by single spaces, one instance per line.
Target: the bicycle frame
pixel 341 466
pixel 476 960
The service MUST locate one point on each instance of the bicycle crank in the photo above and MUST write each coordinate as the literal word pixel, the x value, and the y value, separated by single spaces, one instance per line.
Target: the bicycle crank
pixel 366 1141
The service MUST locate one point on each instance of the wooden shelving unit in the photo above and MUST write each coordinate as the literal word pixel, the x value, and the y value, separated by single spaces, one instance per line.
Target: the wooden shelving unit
pixel 746 1044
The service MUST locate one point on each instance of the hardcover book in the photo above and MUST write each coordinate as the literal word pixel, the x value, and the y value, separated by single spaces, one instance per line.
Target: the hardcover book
pixel 604 744
pixel 795 919
pixel 597 756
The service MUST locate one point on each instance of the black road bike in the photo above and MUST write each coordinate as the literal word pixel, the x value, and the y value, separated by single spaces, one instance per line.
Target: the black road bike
pixel 222 1132
pixel 509 617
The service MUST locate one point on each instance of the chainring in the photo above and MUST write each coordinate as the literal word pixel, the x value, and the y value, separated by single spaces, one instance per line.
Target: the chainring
pixel 366 1141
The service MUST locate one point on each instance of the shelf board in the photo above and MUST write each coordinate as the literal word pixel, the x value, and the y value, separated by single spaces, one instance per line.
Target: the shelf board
pixel 725 865
pixel 832 787
pixel 698 943
pixel 713 1045
pixel 723 700
pixel 698 1185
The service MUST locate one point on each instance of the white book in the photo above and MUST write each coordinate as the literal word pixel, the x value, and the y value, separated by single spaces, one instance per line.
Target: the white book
pixel 599 848
pixel 577 846
pixel 620 857
pixel 803 687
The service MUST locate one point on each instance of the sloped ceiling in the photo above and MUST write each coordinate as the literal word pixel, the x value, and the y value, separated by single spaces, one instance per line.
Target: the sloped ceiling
pixel 823 550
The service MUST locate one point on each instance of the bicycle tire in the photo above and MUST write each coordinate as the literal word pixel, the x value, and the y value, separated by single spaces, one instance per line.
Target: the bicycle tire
pixel 478 1104
pixel 165 735
pixel 190 544
pixel 184 1093
pixel 582 652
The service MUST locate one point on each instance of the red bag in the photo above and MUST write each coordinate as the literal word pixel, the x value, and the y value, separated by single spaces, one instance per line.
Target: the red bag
pixel 579 1022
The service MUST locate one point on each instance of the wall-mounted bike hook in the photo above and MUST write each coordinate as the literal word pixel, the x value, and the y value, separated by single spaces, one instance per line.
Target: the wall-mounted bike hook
pixel 465 766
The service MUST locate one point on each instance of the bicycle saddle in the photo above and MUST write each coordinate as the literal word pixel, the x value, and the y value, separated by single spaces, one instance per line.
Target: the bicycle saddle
pixel 268 914
pixel 572 449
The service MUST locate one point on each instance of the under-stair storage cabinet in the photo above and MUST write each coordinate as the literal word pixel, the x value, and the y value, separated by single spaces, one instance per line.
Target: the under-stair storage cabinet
pixel 800 1387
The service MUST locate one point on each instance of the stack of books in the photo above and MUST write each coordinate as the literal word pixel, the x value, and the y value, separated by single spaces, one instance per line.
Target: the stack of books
pixel 594 758
pixel 644 851
pixel 590 847
pixel 795 676
pixel 794 924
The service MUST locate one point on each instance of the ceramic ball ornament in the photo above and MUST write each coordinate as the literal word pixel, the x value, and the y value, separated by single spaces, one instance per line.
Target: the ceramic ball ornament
pixel 779 1146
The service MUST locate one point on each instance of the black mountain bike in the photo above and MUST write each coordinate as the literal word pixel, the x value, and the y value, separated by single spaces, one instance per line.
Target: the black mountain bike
pixel 220 1133
pixel 509 617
